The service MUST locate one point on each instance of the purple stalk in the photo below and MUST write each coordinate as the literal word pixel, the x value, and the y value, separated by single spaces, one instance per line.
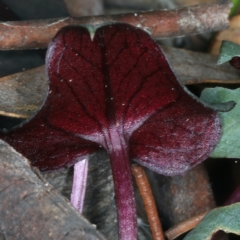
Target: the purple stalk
pixel 123 184
pixel 79 184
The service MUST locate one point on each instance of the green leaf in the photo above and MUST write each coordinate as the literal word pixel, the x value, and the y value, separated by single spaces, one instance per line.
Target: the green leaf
pixel 228 50
pixel 223 218
pixel 229 144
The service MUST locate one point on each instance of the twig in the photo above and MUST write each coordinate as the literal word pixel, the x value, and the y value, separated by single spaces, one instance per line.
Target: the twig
pixel 149 202
pixel 183 227
pixel 160 24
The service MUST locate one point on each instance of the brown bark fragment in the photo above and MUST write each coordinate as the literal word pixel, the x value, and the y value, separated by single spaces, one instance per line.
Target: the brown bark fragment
pixel 31 209
pixel 23 93
pixel 160 24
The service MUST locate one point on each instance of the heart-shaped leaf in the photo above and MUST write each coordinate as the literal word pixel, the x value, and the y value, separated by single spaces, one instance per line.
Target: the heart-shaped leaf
pixel 116 90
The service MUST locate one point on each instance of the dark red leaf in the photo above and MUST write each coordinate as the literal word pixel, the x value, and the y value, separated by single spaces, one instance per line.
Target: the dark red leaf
pixel 118 92
pixel 46 146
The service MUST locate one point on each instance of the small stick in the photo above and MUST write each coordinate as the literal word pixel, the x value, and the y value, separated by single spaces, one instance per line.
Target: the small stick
pixel 183 227
pixel 148 200
pixel 79 184
pixel 159 24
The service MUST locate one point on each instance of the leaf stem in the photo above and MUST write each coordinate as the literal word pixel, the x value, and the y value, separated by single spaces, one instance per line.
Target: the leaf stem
pixel 149 202
pixel 124 192
pixel 79 184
